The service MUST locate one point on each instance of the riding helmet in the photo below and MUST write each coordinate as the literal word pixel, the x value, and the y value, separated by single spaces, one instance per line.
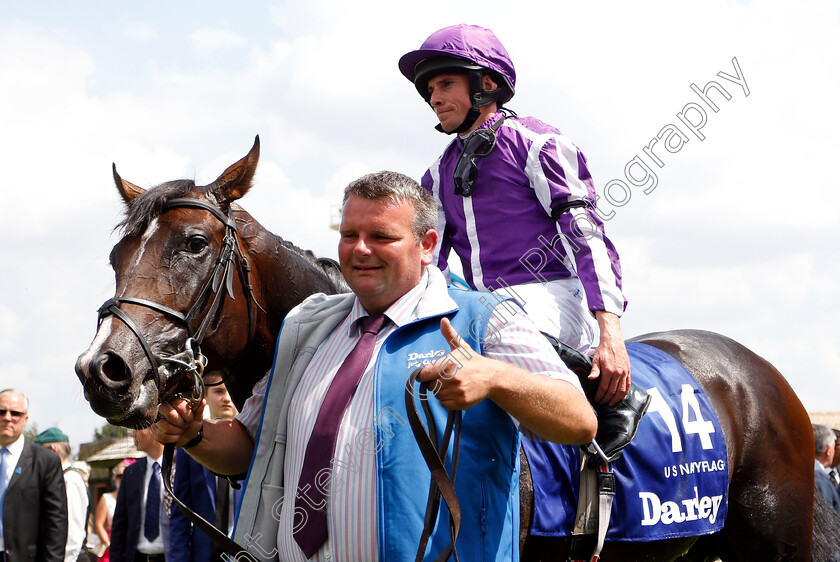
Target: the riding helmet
pixel 466 49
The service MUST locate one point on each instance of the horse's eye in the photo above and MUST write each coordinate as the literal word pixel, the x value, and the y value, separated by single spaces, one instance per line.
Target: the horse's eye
pixel 195 244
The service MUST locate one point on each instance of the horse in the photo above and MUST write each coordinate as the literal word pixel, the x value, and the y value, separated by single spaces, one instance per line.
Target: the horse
pixel 180 249
pixel 183 248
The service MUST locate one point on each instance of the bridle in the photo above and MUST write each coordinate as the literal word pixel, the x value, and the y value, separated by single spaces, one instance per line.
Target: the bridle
pixel 230 257
pixel 191 361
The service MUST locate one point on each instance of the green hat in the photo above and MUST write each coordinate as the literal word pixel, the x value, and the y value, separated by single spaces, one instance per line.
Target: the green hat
pixel 51 435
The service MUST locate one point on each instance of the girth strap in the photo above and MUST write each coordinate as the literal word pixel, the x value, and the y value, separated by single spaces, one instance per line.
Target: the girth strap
pixel 595 499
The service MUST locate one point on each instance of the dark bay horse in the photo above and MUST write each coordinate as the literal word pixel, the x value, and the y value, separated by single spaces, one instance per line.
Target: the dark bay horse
pixel 193 265
pixel 170 259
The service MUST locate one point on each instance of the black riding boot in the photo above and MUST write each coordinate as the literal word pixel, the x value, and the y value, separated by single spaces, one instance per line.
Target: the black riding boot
pixel 617 424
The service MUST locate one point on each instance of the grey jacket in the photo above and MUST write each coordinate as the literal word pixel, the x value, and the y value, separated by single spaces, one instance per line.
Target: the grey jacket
pixel 304 330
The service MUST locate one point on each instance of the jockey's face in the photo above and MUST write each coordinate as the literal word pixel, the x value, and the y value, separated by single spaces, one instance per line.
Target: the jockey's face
pixel 450 99
pixel 380 258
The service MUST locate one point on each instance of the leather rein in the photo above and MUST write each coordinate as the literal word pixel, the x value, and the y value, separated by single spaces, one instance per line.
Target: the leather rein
pixel 434 453
pixel 191 361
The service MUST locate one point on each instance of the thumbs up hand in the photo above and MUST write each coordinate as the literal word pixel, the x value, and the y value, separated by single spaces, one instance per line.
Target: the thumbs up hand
pixel 462 378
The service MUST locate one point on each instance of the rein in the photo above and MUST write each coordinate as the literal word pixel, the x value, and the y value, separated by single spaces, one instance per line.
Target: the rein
pixel 434 453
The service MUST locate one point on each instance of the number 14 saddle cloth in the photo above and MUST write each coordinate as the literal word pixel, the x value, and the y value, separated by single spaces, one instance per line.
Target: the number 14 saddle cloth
pixel 671 481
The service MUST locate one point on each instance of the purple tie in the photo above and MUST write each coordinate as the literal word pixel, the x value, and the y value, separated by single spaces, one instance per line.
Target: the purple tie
pixel 311 497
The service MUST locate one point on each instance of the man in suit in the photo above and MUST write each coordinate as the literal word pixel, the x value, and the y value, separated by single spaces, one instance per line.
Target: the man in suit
pixel 198 488
pixel 33 526
pixel 824 455
pixel 136 529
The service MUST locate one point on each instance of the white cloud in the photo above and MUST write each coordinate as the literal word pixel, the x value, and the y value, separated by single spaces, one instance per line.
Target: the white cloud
pixel 206 41
pixel 141 31
pixel 10 329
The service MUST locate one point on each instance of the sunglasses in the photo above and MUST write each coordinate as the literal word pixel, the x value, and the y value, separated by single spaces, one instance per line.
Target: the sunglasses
pixel 478 145
pixel 15 414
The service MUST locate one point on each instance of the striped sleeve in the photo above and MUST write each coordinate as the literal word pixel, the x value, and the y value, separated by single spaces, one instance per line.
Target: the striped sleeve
pixel 559 174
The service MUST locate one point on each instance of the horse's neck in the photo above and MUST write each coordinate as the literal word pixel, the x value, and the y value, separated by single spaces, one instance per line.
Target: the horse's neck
pixel 281 279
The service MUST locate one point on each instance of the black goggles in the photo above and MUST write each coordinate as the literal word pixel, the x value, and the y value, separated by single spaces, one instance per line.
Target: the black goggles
pixel 478 145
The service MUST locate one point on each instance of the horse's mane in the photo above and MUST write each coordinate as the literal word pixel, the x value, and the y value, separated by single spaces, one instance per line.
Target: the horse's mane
pixel 150 204
pixel 329 266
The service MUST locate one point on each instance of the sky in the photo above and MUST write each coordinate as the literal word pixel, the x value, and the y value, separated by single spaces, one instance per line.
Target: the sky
pixel 725 220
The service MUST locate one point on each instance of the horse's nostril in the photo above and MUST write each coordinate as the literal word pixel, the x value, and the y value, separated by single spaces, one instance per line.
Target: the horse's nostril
pixel 114 368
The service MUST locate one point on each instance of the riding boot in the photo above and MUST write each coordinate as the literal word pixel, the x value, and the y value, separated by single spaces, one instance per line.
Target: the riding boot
pixel 617 424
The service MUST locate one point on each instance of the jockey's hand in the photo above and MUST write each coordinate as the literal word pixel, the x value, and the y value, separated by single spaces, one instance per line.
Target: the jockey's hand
pixel 611 361
pixel 461 379
pixel 178 422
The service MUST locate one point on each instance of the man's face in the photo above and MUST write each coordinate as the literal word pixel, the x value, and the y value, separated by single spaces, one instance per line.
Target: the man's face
pixel 836 460
pixel 450 99
pixel 379 257
pixel 218 399
pixel 13 418
pixel 145 441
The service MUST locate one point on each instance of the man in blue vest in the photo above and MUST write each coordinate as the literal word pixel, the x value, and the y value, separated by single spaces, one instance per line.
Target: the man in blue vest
pixel 364 498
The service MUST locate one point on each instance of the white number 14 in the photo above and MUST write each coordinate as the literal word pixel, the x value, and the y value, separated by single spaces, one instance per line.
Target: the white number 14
pixel 692 418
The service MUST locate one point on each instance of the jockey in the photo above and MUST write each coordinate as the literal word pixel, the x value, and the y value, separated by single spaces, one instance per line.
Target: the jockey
pixel 516 203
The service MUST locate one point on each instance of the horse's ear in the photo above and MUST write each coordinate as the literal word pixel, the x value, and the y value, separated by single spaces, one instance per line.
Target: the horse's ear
pixel 236 180
pixel 128 190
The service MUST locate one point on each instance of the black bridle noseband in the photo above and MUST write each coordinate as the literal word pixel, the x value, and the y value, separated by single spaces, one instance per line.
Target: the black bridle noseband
pixel 230 257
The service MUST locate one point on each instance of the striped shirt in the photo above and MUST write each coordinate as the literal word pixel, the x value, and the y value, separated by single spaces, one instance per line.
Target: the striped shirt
pixel 351 511
pixel 504 234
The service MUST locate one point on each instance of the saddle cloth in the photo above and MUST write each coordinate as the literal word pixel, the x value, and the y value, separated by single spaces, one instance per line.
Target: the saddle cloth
pixel 671 481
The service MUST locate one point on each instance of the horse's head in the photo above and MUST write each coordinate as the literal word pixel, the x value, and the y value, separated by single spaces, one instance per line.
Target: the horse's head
pixel 178 266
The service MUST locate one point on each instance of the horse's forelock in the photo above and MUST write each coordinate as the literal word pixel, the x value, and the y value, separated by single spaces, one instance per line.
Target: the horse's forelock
pixel 149 205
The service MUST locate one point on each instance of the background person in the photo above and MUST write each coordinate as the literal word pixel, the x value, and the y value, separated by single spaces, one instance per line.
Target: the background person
pixel 76 488
pixel 339 356
pixel 824 440
pixel 104 514
pixel 834 473
pixel 136 527
pixel 516 203
pixel 198 489
pixel 33 504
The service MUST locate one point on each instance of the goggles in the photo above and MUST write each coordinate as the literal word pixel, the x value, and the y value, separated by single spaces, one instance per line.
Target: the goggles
pixel 479 144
